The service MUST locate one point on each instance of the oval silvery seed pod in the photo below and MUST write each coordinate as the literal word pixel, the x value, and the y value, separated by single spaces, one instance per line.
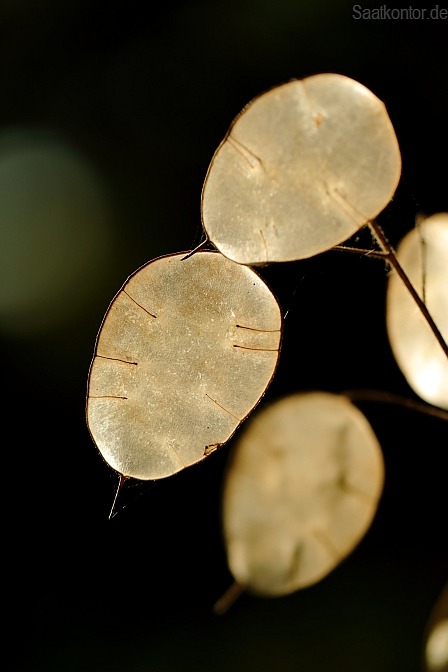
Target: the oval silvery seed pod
pixel 185 351
pixel 302 487
pixel 423 254
pixel 301 169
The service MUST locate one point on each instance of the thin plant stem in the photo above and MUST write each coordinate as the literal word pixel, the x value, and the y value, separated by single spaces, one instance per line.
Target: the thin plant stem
pixel 228 599
pixel 388 254
pixel 397 400
pixel 196 249
pixel 120 485
pixel 375 254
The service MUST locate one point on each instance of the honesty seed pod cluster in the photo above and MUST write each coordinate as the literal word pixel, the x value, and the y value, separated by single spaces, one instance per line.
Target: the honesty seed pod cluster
pixel 191 341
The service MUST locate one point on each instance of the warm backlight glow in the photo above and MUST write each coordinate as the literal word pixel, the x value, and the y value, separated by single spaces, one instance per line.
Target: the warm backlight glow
pixel 437 647
pixel 301 490
pixel 436 636
pixel 302 168
pixel 186 350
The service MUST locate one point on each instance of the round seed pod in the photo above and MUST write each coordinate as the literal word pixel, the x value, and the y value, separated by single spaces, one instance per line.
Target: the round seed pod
pixel 301 169
pixel 301 490
pixel 423 254
pixel 185 351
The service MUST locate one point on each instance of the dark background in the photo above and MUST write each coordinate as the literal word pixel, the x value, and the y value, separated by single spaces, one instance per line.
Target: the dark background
pixel 110 113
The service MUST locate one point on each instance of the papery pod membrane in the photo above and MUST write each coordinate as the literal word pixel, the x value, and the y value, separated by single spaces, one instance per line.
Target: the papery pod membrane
pixel 423 254
pixel 185 351
pixel 302 487
pixel 301 169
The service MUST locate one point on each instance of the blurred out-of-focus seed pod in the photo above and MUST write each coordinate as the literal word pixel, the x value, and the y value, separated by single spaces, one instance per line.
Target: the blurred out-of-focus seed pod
pixel 436 636
pixel 186 350
pixel 423 253
pixel 301 169
pixel 302 487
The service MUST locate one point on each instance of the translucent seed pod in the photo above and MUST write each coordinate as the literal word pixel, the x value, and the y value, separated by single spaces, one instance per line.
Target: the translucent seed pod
pixel 423 253
pixel 301 490
pixel 436 636
pixel 301 169
pixel 185 351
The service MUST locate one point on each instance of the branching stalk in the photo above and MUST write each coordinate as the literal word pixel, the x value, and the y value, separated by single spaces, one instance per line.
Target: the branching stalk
pixel 387 253
pixel 393 261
